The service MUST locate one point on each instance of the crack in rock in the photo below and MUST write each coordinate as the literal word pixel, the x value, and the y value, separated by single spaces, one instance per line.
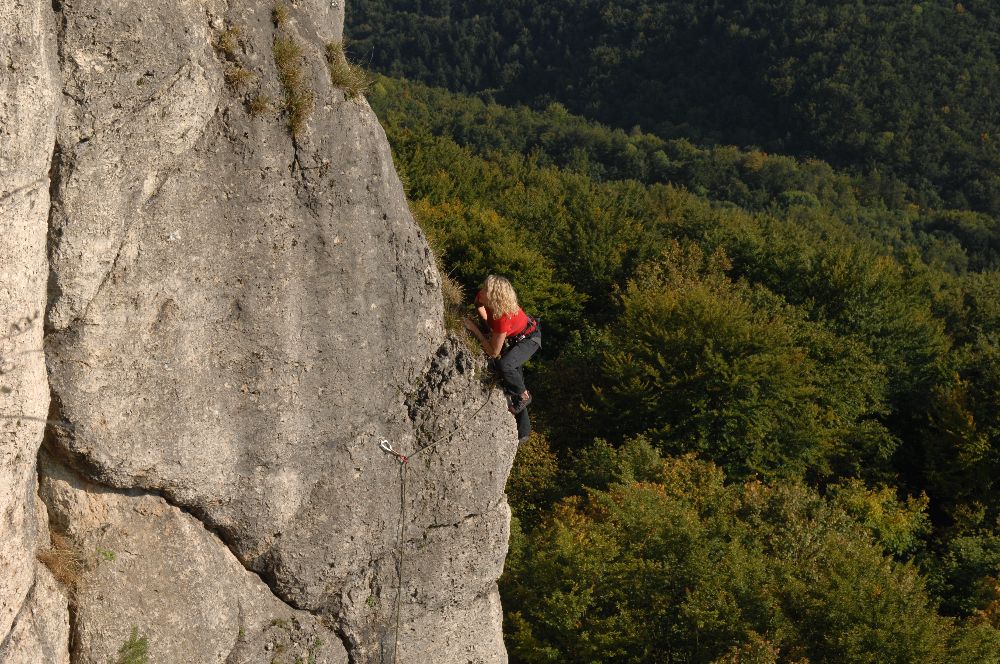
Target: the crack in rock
pixel 144 541
pixel 28 598
pixel 212 532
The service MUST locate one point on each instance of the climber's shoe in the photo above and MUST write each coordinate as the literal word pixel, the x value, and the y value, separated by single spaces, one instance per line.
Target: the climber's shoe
pixel 520 403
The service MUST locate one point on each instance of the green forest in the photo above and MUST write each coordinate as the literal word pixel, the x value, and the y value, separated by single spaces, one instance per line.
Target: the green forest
pixel 905 88
pixel 767 264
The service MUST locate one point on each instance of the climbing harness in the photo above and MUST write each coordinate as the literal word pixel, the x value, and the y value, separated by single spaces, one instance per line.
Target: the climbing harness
pixel 529 329
pixel 403 460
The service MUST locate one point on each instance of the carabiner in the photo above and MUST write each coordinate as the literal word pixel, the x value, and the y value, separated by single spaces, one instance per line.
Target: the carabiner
pixel 386 447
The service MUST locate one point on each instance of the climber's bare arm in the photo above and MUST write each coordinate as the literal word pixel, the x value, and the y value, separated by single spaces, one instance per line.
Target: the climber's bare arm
pixel 491 344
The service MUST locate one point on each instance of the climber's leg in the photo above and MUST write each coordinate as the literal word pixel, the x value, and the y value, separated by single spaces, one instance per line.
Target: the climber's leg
pixel 510 370
pixel 523 425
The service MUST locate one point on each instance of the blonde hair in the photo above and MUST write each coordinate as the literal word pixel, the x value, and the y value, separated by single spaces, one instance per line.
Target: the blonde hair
pixel 500 296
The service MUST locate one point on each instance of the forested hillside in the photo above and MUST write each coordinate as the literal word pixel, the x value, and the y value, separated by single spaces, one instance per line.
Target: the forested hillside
pixel 817 348
pixel 768 404
pixel 903 89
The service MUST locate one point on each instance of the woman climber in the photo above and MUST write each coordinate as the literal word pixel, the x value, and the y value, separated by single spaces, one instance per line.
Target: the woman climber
pixel 496 303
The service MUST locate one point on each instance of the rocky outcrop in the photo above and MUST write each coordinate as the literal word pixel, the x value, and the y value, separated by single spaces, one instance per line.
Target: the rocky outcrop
pixel 149 566
pixel 237 315
pixel 40 632
pixel 28 94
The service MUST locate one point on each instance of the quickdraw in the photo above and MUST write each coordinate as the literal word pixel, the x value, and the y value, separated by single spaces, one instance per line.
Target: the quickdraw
pixel 386 447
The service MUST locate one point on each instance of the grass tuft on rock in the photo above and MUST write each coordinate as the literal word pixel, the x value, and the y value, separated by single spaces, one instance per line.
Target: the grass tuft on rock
pixel 64 560
pixel 299 99
pixel 453 295
pixel 228 43
pixel 237 77
pixel 260 105
pixel 354 80
pixel 280 14
pixel 456 309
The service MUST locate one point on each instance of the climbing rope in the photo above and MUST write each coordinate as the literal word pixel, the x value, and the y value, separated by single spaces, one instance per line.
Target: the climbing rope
pixel 403 460
pixel 386 447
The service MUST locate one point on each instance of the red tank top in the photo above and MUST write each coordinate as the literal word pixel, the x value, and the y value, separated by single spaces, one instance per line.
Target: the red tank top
pixel 510 324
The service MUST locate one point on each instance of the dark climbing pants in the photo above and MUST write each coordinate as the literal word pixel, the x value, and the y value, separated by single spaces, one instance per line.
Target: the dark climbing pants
pixel 523 424
pixel 509 364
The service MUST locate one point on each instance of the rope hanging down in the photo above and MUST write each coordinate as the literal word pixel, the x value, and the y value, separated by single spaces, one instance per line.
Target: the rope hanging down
pixel 403 460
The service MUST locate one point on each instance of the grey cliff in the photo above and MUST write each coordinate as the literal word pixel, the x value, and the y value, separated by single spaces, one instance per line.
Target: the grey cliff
pixel 235 314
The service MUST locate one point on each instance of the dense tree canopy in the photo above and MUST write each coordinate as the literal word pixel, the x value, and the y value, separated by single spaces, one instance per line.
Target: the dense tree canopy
pixel 872 206
pixel 767 405
pixel 685 568
pixel 905 89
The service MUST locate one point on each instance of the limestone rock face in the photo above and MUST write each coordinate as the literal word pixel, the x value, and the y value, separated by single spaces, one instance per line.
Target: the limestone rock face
pixel 149 566
pixel 40 633
pixel 238 314
pixel 28 96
